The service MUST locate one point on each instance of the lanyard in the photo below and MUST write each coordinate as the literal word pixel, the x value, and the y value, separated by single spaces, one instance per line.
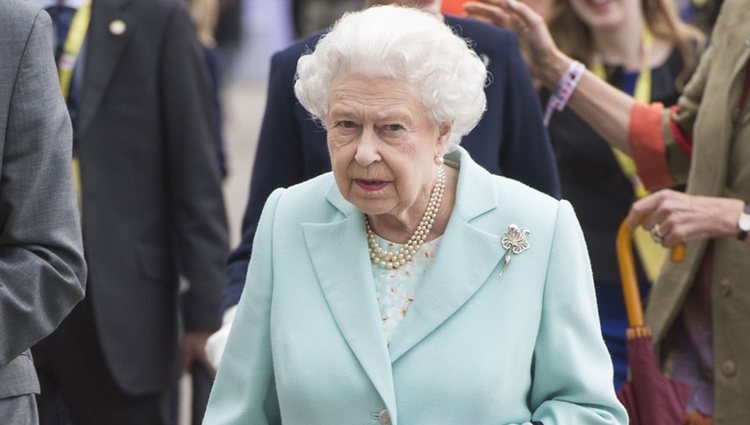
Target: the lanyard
pixel 642 93
pixel 72 47
pixel 652 256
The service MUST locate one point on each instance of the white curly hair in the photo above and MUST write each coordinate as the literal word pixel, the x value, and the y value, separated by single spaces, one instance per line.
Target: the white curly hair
pixel 407 45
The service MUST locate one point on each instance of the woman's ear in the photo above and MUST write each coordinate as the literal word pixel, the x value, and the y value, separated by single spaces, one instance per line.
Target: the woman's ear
pixel 444 135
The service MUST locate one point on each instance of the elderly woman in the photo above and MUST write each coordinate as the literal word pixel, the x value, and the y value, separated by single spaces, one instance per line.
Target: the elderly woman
pixel 410 285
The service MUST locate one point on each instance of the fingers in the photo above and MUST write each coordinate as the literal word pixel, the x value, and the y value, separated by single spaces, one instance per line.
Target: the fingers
pixel 528 15
pixel 666 214
pixel 642 212
pixel 489 13
pixel 650 212
pixel 208 366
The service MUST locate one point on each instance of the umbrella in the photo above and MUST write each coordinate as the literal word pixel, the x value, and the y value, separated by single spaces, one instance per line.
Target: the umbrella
pixel 649 397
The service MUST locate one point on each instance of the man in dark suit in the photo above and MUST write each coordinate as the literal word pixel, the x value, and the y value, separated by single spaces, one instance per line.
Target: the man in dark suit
pixel 42 271
pixel 510 139
pixel 152 213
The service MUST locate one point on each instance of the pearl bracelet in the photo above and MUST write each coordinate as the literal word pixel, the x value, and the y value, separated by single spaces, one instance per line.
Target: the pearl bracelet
pixel 564 90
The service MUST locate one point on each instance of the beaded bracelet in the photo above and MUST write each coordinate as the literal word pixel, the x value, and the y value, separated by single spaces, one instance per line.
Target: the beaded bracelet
pixel 564 90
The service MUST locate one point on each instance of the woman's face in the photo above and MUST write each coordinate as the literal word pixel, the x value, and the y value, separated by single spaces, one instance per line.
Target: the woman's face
pixel 602 14
pixel 382 145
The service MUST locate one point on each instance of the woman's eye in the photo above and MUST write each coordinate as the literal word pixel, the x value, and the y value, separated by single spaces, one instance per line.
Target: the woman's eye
pixel 391 128
pixel 346 124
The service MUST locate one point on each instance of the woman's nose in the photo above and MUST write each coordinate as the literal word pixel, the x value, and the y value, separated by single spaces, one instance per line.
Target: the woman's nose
pixel 367 149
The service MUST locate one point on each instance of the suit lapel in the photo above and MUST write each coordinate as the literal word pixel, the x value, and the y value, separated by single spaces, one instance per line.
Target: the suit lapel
pixel 102 54
pixel 347 284
pixel 465 258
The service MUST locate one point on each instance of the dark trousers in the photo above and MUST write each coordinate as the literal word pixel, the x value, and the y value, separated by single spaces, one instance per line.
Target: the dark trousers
pixel 77 386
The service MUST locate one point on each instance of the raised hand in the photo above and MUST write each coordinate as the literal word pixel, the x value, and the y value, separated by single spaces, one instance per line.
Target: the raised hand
pixel 540 50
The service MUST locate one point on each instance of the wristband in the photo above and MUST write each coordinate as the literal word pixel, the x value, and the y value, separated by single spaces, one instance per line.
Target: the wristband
pixel 564 90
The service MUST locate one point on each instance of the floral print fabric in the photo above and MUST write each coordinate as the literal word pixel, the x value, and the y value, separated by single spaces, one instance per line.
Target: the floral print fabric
pixel 395 289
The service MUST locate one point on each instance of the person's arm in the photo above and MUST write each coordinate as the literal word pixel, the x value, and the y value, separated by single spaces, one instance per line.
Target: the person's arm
pixel 572 373
pixel 197 203
pixel 652 135
pixel 42 268
pixel 603 107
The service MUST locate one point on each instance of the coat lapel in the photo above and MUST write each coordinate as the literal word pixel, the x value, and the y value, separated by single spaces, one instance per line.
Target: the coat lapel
pixel 347 284
pixel 102 54
pixel 465 259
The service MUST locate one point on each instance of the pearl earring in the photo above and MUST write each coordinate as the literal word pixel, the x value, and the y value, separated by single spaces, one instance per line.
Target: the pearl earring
pixel 439 160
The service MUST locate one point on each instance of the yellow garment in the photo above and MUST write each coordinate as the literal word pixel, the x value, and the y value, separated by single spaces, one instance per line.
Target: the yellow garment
pixel 72 46
pixel 651 254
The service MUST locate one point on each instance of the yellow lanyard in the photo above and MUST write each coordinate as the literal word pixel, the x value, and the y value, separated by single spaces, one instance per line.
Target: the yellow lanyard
pixel 642 94
pixel 652 255
pixel 72 47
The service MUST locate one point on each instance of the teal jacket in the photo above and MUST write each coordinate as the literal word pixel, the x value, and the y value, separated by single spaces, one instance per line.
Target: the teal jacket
pixel 476 348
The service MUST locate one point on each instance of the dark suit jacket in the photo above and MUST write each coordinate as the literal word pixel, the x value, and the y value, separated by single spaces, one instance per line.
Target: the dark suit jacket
pixel 510 139
pixel 42 271
pixel 152 201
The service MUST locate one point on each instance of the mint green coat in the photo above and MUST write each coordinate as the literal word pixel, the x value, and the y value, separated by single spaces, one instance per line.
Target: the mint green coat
pixel 476 348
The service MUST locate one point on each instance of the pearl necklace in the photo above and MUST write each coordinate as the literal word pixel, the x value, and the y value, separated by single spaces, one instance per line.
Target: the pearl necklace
pixel 395 259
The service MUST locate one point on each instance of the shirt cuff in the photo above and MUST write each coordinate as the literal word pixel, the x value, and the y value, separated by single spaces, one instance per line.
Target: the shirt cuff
pixel 647 145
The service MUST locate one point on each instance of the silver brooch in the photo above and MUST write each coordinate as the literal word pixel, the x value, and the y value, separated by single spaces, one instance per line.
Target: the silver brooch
pixel 514 241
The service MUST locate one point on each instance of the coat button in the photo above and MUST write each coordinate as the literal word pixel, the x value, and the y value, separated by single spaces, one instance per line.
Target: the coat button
pixel 384 417
pixel 728 368
pixel 725 287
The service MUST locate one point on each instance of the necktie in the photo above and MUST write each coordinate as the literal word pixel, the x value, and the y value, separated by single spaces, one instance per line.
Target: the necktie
pixel 62 16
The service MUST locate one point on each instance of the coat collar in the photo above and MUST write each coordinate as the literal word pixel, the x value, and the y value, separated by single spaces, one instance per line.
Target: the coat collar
pixel 102 54
pixel 347 283
pixel 738 49
pixel 743 54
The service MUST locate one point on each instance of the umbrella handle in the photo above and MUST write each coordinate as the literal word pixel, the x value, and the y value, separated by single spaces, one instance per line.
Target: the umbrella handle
pixel 628 277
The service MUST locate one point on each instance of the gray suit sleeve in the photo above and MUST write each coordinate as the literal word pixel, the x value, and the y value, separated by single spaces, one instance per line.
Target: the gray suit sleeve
pixel 42 269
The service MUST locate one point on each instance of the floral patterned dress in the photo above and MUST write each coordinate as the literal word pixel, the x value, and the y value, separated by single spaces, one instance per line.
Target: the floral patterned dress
pixel 395 288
